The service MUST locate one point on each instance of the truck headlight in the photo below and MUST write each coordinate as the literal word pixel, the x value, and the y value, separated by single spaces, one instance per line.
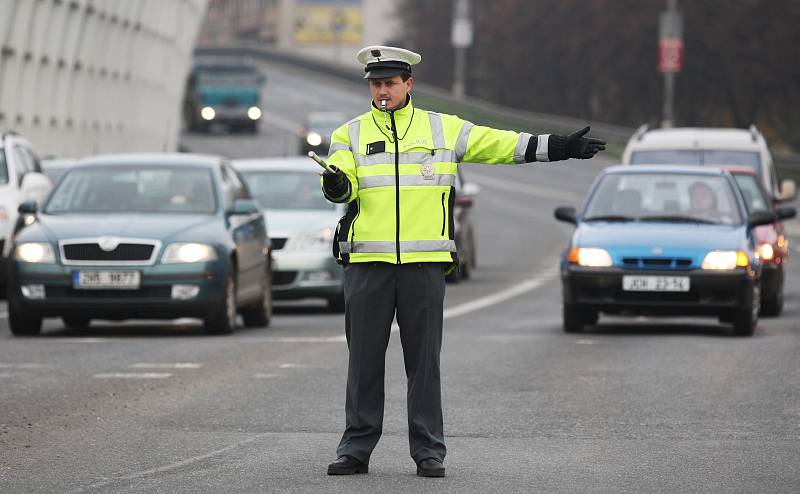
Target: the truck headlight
pixel 208 113
pixel 721 260
pixel 590 257
pixel 39 252
pixel 181 252
pixel 314 139
pixel 254 113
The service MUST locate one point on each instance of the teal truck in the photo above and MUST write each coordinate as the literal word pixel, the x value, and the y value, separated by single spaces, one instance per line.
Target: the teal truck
pixel 223 93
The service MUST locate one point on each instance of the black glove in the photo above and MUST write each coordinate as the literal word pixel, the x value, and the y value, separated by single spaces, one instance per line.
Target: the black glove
pixel 335 185
pixel 574 146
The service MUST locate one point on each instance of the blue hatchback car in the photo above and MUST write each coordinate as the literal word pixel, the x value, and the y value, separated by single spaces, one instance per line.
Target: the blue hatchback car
pixel 662 240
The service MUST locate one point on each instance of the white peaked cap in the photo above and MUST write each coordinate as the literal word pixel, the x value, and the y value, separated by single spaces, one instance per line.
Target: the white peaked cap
pixel 386 61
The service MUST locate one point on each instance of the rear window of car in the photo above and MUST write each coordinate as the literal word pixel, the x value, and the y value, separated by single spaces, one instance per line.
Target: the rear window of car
pixel 121 189
pixel 287 190
pixel 753 195
pixel 664 197
pixel 749 159
pixel 3 167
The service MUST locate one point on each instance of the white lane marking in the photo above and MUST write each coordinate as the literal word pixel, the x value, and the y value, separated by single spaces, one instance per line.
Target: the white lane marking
pixel 261 375
pixel 508 293
pixel 168 467
pixel 22 365
pixel 3 314
pixel 585 342
pixel 133 375
pixel 79 340
pixel 292 366
pixel 179 365
pixel 527 189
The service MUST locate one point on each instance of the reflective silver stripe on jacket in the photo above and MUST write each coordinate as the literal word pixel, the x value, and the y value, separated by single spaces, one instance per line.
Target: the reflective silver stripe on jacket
pixel 541 148
pixel 382 247
pixel 337 146
pixel 437 132
pixel 463 139
pixel 522 145
pixel 353 129
pixel 417 157
pixel 443 179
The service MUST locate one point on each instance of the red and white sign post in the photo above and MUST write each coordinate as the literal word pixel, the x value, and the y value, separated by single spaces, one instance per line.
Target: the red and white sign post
pixel 670 56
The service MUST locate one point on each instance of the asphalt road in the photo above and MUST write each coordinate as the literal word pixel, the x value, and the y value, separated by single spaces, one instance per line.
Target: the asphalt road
pixel 628 406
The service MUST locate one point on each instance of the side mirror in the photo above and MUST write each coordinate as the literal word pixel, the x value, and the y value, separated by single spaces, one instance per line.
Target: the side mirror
pixel 35 186
pixel 566 214
pixel 244 206
pixel 785 212
pixel 27 207
pixel 758 218
pixel 788 190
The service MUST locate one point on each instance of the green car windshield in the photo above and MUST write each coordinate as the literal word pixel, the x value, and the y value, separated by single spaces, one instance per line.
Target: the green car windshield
pixel 668 198
pixel 134 189
pixel 287 190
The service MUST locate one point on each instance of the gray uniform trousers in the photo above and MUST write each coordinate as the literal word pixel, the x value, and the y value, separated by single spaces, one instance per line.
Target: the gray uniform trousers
pixel 373 292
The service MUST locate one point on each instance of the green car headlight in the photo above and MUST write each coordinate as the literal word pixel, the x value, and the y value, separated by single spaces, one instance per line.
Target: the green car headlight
pixel 181 252
pixel 38 252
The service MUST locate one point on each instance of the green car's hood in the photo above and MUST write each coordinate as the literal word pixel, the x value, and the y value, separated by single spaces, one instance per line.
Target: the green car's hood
pixel 150 226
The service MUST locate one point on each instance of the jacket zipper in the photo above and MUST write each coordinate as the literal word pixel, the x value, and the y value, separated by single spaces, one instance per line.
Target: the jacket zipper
pixel 397 187
pixel 444 214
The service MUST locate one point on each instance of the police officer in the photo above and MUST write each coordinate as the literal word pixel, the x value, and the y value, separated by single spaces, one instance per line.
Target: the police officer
pixel 396 170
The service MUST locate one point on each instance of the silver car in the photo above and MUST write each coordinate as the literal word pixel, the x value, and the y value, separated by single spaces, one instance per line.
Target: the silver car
pixel 301 223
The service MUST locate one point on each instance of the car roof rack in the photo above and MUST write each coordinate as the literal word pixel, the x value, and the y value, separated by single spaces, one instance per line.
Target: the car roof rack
pixel 754 132
pixel 641 131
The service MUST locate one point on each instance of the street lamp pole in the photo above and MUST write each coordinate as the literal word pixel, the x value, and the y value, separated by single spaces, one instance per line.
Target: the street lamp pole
pixel 670 57
pixel 461 40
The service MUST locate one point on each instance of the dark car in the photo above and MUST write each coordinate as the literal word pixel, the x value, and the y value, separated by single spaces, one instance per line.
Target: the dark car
pixel 463 233
pixel 143 236
pixel 662 240
pixel 773 247
pixel 316 132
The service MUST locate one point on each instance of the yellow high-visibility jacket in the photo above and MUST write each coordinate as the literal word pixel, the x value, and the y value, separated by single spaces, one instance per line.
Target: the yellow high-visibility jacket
pixel 402 170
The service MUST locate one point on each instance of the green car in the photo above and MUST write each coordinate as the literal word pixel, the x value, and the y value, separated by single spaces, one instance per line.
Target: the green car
pixel 143 236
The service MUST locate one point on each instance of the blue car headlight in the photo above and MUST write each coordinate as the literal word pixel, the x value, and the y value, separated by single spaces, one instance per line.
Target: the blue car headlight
pixel 590 257
pixel 182 252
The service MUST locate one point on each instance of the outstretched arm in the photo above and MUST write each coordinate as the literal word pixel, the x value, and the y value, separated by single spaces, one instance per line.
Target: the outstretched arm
pixel 554 147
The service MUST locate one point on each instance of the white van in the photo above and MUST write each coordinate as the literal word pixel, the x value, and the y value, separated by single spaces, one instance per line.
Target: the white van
pixel 21 179
pixel 708 146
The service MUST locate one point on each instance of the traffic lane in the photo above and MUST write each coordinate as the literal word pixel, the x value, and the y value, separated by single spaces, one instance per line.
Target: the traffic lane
pixel 525 405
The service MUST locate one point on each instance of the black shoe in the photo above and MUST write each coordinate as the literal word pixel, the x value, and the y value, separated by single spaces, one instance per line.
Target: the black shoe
pixel 430 467
pixel 347 465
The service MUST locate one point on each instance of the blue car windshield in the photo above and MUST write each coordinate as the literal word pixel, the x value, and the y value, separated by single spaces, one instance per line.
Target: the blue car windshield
pixel 229 77
pixel 3 167
pixel 125 189
pixel 667 197
pixel 287 190
pixel 748 159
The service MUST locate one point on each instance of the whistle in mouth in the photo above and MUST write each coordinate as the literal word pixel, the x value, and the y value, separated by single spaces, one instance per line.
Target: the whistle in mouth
pixel 383 105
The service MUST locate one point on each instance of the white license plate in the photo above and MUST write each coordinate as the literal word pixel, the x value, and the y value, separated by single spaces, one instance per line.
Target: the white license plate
pixel 655 283
pixel 121 280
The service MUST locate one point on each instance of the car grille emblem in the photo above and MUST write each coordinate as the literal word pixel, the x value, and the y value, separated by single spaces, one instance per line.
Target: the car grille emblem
pixel 108 243
pixel 657 250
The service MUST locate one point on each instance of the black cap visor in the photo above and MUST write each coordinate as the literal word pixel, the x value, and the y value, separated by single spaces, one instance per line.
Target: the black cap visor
pixel 383 70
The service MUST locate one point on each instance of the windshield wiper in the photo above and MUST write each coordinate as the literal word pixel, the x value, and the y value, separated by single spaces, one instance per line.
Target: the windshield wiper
pixel 610 217
pixel 676 218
